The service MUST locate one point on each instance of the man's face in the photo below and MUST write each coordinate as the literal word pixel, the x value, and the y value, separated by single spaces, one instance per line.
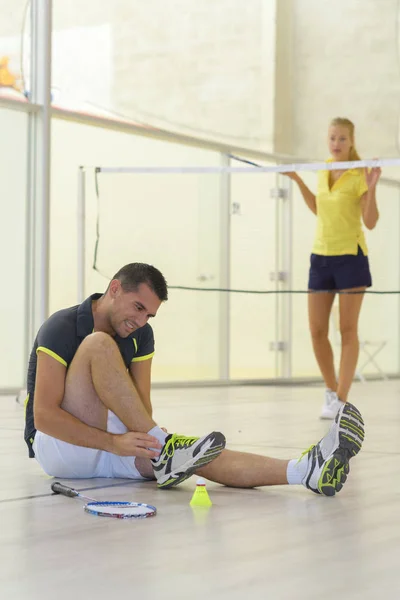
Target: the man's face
pixel 131 310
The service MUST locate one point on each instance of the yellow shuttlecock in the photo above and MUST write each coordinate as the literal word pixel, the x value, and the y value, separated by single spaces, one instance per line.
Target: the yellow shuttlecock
pixel 200 496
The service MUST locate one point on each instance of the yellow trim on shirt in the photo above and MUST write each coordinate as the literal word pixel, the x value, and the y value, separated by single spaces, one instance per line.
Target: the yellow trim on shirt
pixel 135 344
pixel 52 354
pixel 26 404
pixel 141 358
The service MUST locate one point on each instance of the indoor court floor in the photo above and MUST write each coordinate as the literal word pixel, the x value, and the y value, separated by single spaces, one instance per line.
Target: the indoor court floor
pixel 267 543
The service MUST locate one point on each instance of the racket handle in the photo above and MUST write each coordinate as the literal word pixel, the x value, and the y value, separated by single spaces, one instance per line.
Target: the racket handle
pixel 59 488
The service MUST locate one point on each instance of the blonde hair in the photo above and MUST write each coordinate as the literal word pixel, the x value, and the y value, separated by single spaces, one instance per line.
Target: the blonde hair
pixel 343 122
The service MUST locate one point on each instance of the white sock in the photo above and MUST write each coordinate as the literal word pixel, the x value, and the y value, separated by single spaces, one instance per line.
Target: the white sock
pixel 296 470
pixel 158 433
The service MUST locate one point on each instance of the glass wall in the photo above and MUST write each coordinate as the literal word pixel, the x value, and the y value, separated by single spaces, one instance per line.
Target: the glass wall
pixel 171 221
pixel 205 69
pixel 174 221
pixel 13 234
pixel 107 61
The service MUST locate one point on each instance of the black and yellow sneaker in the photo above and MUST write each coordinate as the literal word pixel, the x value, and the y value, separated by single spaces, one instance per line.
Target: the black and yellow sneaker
pixel 181 456
pixel 328 461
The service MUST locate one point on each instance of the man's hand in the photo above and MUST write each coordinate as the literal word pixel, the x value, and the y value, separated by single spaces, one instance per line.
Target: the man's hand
pixel 137 444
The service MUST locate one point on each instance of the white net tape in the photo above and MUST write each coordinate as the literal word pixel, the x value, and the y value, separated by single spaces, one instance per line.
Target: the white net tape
pixel 281 168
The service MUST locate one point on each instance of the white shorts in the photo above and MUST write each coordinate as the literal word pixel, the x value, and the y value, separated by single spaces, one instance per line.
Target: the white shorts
pixel 60 459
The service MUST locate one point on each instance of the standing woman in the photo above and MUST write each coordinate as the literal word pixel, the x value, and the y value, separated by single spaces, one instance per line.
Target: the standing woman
pixel 339 260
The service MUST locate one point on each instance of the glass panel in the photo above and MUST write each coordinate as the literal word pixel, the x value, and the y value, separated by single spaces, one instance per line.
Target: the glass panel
pixel 169 220
pixel 14 48
pixel 202 68
pixel 186 333
pixel 83 60
pixel 253 252
pixel 13 150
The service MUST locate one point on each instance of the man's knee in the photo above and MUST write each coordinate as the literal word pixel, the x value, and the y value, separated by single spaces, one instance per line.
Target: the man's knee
pixel 99 341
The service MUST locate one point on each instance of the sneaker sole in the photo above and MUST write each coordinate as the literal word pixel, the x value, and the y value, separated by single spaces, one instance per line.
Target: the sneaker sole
pixel 189 468
pixel 351 436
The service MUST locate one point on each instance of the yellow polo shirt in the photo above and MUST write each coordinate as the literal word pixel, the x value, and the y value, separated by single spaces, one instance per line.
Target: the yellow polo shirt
pixel 339 227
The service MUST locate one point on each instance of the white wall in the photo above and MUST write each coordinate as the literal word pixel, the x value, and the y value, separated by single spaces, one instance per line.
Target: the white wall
pixel 345 63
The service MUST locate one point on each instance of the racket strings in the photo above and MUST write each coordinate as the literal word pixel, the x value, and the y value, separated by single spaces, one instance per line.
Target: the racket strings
pixel 121 509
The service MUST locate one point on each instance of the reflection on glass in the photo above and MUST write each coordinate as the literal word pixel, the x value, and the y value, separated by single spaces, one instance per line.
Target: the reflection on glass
pixel 15 49
pixel 192 67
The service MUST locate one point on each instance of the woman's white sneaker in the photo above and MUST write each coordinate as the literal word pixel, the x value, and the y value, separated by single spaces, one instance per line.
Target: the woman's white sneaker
pixel 331 405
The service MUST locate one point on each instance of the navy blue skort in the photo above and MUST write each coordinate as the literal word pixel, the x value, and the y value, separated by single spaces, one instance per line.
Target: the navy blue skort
pixel 339 272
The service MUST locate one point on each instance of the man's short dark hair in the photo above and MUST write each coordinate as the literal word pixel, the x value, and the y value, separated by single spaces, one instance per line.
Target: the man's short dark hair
pixel 134 274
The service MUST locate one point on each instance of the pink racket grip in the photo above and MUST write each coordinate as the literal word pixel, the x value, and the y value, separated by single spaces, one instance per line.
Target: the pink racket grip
pixel 59 488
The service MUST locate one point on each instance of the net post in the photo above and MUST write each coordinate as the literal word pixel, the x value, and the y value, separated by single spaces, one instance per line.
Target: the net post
pixel 224 270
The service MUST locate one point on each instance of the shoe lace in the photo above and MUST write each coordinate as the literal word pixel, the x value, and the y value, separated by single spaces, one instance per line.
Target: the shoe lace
pixel 306 452
pixel 178 441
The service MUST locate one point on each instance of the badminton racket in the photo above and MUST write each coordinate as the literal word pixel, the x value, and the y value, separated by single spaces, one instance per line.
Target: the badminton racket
pixel 116 510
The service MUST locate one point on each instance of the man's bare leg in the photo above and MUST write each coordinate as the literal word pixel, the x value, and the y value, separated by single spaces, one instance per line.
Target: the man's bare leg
pixel 243 470
pixel 236 469
pixel 323 469
pixel 97 381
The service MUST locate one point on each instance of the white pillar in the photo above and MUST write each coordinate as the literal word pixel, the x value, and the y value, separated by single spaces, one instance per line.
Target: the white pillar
pixel 39 167
pixel 224 271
